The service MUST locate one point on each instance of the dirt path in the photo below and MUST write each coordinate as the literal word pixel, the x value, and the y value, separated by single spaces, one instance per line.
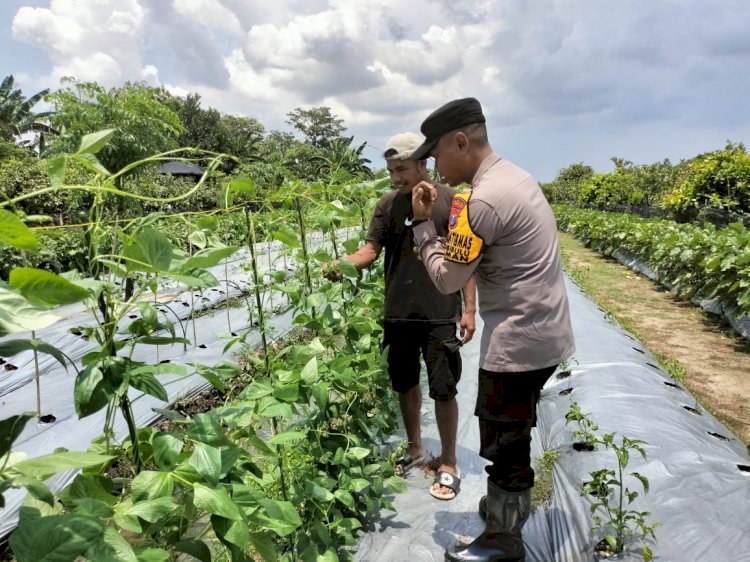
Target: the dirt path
pixel 690 343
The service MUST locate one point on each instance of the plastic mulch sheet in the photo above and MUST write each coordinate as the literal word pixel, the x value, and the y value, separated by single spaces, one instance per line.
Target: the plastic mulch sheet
pixel 699 472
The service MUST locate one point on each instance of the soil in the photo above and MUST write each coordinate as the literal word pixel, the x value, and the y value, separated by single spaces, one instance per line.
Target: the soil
pixel 712 356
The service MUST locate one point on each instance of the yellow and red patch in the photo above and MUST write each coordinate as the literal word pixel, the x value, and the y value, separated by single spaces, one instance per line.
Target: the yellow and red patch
pixel 463 245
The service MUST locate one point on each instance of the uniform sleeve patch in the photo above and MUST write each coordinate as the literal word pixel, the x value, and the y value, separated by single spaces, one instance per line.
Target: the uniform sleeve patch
pixel 462 245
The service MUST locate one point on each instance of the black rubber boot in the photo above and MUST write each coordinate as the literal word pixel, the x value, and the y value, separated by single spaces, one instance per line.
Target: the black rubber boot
pixel 483 508
pixel 501 540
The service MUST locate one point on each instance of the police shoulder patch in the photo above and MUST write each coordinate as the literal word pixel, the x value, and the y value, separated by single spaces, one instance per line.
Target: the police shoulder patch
pixel 462 245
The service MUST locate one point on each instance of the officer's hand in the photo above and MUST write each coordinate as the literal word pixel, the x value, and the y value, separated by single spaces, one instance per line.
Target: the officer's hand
pixel 331 273
pixel 423 196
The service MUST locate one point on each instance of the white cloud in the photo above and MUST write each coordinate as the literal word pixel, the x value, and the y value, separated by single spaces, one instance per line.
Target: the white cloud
pixel 211 14
pixel 548 67
pixel 88 39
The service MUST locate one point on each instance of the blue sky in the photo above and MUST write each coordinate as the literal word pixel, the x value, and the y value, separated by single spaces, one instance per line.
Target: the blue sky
pixel 561 81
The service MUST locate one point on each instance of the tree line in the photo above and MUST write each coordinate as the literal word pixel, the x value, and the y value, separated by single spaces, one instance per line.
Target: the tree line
pixel 149 120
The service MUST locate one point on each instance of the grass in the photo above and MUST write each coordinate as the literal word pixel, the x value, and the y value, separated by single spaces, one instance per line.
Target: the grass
pixel 541 493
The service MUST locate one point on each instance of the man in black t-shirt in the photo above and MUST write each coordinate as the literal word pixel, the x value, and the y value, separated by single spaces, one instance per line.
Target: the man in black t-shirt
pixel 419 320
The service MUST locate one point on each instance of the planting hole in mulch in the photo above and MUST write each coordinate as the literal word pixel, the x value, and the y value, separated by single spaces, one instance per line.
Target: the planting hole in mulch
pixel 583 447
pixel 2 361
pixel 566 392
pixel 692 410
pixel 132 316
pixel 718 436
pixel 673 385
pixel 203 346
pixel 602 551
pixel 563 374
pixel 165 361
pixel 744 469
pixel 654 366
pixel 639 350
pixel 10 367
pixel 48 418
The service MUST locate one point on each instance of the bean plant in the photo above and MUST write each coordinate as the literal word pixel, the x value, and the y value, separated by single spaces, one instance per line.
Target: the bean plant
pixel 287 471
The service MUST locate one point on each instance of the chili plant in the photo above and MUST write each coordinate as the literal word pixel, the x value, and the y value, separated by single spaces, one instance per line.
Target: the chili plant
pixel 613 519
pixel 585 439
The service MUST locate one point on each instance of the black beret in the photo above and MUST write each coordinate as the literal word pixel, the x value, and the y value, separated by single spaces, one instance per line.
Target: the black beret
pixel 449 117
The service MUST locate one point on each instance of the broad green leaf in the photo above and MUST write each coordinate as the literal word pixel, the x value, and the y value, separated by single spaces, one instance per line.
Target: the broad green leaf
pixel 112 547
pixel 286 239
pixel 206 461
pixel 56 170
pixel 286 437
pixel 117 269
pixel 93 507
pixel 229 459
pixel 47 465
pixel 153 555
pixel 344 497
pixel 205 429
pixel 358 453
pixel 195 278
pixel 92 163
pixel 127 522
pixel 264 546
pixel 209 258
pixel 261 446
pixel 310 372
pixel 358 484
pixel 148 384
pixel 198 239
pixel 243 184
pixel 208 223
pixel 195 548
pixel 18 314
pixel 320 393
pixel 395 484
pixel 160 369
pixel 46 288
pixel 91 392
pixel 162 340
pixel 153 509
pixel 256 390
pixel 151 252
pixel 210 375
pixel 348 269
pixel 13 347
pixel 167 448
pixel 287 392
pixel 234 532
pixel 10 429
pixel 317 492
pixel 14 233
pixel 93 487
pixel 280 516
pixel 36 488
pixel 94 142
pixel 55 538
pixel 272 408
pixel 149 484
pixel 216 501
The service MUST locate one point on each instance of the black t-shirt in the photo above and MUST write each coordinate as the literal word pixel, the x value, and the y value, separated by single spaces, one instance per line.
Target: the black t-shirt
pixel 410 294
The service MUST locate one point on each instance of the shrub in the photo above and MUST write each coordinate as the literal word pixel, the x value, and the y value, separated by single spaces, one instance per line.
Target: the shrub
pixel 716 180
